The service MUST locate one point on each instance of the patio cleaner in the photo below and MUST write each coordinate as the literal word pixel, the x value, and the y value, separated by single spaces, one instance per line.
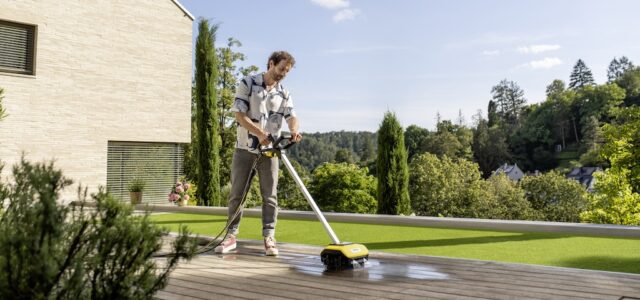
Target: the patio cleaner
pixel 336 256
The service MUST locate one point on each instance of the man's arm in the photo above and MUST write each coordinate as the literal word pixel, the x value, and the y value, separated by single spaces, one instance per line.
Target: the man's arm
pixel 245 122
pixel 293 127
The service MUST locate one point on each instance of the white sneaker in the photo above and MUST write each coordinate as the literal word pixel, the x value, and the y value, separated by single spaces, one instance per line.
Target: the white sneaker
pixel 227 245
pixel 270 248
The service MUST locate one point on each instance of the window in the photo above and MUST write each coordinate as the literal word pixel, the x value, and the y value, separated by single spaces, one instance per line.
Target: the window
pixel 158 164
pixel 17 48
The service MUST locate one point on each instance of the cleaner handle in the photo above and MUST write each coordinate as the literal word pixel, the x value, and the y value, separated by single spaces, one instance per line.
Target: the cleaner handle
pixel 278 141
pixel 312 203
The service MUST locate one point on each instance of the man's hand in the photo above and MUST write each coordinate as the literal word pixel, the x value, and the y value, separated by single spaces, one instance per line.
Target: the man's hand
pixel 293 128
pixel 295 136
pixel 265 139
pixel 244 121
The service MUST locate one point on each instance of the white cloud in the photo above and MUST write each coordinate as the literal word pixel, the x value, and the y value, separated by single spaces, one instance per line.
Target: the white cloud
pixel 546 63
pixel 538 48
pixel 346 14
pixel 490 52
pixel 331 4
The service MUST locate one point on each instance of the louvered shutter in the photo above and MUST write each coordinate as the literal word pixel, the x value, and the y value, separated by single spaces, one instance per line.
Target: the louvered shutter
pixel 158 164
pixel 17 47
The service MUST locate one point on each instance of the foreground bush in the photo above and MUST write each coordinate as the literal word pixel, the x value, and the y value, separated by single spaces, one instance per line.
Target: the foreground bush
pixel 52 251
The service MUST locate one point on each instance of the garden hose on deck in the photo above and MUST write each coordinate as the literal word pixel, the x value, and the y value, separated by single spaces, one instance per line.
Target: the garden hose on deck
pixel 215 242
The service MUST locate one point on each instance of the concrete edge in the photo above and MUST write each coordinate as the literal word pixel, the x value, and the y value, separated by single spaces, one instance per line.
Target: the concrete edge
pixel 419 221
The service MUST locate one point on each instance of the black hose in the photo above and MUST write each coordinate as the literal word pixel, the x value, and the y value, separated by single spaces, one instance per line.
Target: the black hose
pixel 214 242
pixel 267 152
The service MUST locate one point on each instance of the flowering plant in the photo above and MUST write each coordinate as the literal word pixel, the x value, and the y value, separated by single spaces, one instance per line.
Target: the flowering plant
pixel 179 194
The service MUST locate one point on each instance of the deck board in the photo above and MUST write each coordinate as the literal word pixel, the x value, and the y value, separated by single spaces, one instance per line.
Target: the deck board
pixel 297 273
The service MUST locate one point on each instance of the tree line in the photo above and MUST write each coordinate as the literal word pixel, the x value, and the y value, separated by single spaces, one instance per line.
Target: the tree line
pixel 446 171
pixel 451 167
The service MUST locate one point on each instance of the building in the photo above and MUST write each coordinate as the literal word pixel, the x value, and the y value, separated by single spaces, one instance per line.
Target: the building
pixel 102 87
pixel 584 175
pixel 512 171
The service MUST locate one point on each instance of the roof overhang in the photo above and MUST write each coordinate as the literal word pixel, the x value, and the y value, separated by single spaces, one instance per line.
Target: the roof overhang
pixel 186 12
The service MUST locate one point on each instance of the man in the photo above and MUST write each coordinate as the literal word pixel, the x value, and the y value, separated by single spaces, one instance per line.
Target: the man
pixel 260 107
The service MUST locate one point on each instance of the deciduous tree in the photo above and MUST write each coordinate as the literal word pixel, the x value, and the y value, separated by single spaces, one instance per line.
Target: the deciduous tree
pixel 509 100
pixel 617 67
pixel 630 82
pixel 441 186
pixel 616 199
pixel 415 139
pixel 289 194
pixel 490 148
pixel 229 73
pixel 556 197
pixel 343 187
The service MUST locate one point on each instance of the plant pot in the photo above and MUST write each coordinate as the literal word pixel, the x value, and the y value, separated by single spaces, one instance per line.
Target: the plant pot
pixel 183 202
pixel 136 197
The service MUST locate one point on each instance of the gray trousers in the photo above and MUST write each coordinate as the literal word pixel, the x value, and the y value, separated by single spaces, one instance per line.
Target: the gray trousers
pixel 268 176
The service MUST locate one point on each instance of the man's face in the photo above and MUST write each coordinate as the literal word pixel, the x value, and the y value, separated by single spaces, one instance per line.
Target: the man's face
pixel 280 70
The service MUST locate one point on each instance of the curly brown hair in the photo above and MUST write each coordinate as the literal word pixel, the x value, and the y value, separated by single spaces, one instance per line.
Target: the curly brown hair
pixel 278 56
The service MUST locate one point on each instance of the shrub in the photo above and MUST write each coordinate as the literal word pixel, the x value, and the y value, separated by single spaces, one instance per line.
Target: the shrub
pixel 344 187
pixel 49 250
pixel 616 199
pixel 556 197
pixel 289 194
pixel 443 187
pixel 613 201
pixel 254 198
pixel 507 200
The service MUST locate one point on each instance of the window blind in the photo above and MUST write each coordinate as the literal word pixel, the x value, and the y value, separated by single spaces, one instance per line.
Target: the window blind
pixel 17 49
pixel 160 165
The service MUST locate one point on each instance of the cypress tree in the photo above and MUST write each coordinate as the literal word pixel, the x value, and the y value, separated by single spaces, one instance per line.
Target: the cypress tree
pixel 206 78
pixel 393 172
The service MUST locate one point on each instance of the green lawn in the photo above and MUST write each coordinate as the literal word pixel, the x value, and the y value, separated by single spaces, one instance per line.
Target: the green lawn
pixel 563 250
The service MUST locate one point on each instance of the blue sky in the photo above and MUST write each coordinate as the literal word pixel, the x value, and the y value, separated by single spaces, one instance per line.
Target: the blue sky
pixel 357 59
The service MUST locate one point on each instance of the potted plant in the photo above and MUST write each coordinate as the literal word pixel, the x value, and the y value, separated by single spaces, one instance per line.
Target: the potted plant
pixel 136 186
pixel 179 193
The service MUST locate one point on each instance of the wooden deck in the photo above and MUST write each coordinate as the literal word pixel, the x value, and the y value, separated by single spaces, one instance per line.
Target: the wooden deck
pixel 298 274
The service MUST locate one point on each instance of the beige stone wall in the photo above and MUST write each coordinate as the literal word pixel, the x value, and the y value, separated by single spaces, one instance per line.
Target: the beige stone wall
pixel 105 70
